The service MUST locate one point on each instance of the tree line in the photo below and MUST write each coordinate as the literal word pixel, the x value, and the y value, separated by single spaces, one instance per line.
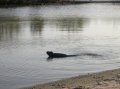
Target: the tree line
pixel 28 2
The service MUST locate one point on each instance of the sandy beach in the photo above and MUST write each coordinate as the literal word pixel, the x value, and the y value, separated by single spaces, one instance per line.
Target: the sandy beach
pixel 103 80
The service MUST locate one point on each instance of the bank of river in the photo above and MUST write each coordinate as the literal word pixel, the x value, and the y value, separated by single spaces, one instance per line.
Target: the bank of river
pixel 103 80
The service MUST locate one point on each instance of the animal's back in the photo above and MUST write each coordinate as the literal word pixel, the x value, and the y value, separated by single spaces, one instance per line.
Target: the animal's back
pixel 59 55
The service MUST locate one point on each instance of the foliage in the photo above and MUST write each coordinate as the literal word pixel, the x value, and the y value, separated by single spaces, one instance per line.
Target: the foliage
pixel 27 2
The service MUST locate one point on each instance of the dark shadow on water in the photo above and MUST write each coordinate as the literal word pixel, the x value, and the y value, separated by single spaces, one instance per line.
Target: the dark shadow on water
pixel 49 59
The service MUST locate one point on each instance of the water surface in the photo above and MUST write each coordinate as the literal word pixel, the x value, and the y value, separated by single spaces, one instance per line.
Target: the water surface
pixel 26 33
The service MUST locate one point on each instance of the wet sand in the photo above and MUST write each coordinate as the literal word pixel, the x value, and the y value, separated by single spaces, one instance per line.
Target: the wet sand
pixel 103 80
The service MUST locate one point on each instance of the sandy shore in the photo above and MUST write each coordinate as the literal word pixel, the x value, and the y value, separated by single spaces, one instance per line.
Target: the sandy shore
pixel 104 80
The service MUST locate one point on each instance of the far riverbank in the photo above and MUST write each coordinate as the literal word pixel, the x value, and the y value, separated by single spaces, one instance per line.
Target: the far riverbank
pixel 17 3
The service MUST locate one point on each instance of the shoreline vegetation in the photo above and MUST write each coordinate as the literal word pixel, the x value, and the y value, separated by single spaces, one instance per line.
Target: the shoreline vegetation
pixel 16 3
pixel 103 80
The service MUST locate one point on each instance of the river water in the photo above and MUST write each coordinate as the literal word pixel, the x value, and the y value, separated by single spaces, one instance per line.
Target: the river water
pixel 91 31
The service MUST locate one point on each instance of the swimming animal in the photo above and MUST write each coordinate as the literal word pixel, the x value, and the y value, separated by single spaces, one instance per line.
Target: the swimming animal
pixel 57 55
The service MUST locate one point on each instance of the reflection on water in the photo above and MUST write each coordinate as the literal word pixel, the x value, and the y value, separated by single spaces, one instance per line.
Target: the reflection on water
pixel 37 26
pixel 70 24
pixel 26 34
pixel 9 31
pixel 15 29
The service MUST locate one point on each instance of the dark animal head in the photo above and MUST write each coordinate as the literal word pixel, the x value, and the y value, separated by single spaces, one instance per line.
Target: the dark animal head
pixel 50 53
